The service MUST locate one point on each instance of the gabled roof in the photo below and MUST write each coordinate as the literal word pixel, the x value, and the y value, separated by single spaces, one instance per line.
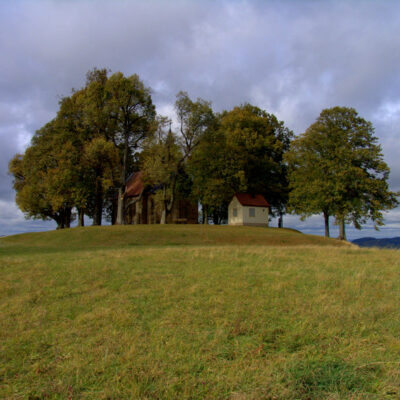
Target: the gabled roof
pixel 134 184
pixel 252 200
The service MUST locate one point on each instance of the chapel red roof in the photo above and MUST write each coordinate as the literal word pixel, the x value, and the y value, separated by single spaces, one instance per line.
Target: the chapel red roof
pixel 134 185
pixel 252 200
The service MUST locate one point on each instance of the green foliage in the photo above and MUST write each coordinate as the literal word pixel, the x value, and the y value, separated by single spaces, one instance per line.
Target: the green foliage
pixel 107 129
pixel 166 156
pixel 72 126
pixel 337 167
pixel 87 149
pixel 211 171
pixel 45 176
pixel 194 118
pixel 100 161
pixel 242 152
pixel 161 156
pixel 256 142
pixel 161 160
pixel 94 105
pixel 101 158
pixel 130 106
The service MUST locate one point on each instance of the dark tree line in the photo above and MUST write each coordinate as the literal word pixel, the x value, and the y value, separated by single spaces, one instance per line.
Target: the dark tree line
pixel 78 163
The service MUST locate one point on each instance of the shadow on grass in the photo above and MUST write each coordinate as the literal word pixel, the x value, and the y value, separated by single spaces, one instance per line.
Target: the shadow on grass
pixel 17 250
pixel 316 379
pixel 127 236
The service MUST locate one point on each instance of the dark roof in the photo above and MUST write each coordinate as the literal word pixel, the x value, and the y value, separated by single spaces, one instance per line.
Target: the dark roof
pixel 134 184
pixel 252 200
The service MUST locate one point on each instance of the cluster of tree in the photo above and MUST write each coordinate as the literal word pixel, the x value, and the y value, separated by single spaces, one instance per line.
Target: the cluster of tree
pixel 215 156
pixel 85 151
pixel 103 132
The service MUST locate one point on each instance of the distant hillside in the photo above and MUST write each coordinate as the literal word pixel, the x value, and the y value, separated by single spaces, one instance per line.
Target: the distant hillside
pixel 389 243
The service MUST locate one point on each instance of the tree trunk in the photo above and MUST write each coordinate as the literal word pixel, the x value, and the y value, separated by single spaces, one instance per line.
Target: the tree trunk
pixel 167 206
pixel 215 218
pixel 163 219
pixel 342 229
pixel 280 220
pixel 59 218
pixel 114 209
pixel 205 215
pixel 326 219
pixel 121 201
pixel 60 224
pixel 98 203
pixel 81 217
pixel 67 216
pixel 120 207
pixel 165 211
pixel 98 211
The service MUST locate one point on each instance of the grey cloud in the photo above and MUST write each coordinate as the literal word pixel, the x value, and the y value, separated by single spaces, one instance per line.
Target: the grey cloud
pixel 291 58
pixel 9 145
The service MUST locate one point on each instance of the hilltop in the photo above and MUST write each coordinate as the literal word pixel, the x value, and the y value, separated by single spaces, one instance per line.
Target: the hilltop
pixel 196 312
pixel 125 236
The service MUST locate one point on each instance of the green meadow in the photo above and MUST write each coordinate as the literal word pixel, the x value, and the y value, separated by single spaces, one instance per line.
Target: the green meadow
pixel 197 312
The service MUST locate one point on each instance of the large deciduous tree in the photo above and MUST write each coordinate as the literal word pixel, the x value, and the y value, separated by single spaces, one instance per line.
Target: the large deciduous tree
pixel 257 142
pixel 82 121
pixel 166 154
pixel 95 111
pixel 130 106
pixel 243 153
pixel 213 175
pixel 161 160
pixel 45 176
pixel 69 164
pixel 194 118
pixel 100 161
pixel 336 168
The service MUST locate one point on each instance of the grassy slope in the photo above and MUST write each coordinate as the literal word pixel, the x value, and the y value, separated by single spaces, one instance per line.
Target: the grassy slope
pixel 156 235
pixel 167 314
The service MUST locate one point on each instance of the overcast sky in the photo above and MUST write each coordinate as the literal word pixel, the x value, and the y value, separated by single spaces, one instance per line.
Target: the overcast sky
pixel 292 58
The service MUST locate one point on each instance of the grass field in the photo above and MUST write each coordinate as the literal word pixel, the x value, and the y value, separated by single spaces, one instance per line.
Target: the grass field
pixel 194 312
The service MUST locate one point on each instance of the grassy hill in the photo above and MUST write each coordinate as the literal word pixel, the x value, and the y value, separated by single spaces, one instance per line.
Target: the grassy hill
pixel 94 238
pixel 195 312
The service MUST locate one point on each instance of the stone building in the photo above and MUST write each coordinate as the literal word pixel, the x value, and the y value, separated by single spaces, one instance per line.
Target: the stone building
pixel 140 206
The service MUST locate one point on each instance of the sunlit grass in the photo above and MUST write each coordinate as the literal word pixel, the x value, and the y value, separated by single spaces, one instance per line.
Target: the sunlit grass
pixel 187 321
pixel 95 237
